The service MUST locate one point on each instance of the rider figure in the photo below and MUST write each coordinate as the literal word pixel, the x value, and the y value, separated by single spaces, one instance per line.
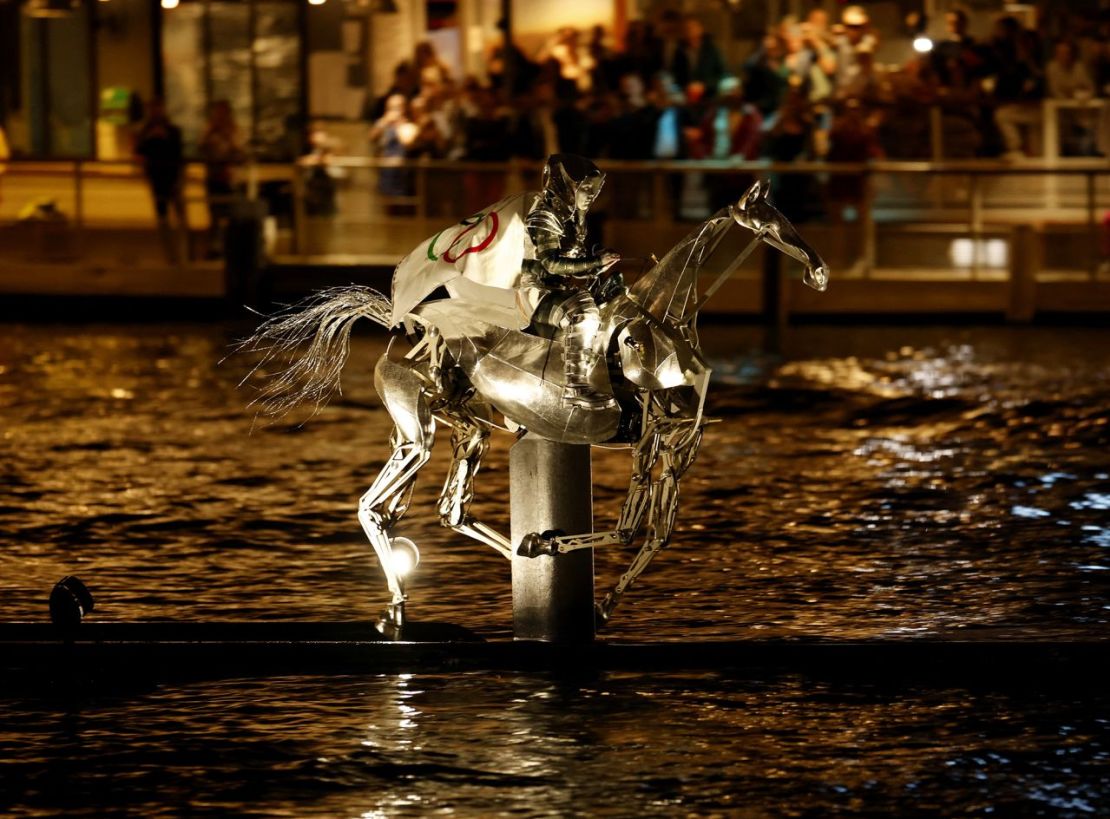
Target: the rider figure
pixel 564 282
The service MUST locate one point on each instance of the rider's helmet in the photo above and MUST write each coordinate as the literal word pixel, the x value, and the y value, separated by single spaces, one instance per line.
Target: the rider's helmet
pixel 570 183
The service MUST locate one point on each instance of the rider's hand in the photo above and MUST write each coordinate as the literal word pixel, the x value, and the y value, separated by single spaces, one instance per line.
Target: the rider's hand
pixel 608 258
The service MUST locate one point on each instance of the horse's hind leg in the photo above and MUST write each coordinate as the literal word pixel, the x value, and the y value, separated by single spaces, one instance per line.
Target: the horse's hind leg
pixel 387 500
pixel 469 442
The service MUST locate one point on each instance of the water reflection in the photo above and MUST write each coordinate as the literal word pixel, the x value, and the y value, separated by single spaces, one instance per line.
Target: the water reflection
pixel 485 744
pixel 877 482
pixel 868 482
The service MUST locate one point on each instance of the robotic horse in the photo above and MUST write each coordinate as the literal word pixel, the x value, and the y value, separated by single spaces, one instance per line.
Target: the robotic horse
pixel 469 364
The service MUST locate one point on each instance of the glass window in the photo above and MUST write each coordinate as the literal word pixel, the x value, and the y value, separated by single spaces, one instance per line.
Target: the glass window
pixel 56 92
pixel 249 56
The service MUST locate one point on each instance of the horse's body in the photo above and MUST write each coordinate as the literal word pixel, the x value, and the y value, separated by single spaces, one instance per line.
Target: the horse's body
pixel 469 366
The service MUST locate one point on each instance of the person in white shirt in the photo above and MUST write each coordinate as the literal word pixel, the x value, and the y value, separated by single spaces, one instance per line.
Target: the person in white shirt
pixel 1067 78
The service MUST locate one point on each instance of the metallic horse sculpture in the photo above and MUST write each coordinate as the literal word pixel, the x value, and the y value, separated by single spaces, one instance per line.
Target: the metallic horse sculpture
pixel 466 361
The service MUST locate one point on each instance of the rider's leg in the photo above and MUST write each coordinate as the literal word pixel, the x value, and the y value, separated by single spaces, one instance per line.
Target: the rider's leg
pixel 469 443
pixel 581 321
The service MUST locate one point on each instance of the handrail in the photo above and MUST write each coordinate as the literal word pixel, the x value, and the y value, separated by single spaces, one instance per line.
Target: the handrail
pixel 1065 166
pixel 978 216
pixel 969 166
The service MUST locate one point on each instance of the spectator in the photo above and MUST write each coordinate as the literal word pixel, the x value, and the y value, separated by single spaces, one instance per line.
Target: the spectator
pixel 488 139
pixel 732 131
pixel 788 137
pixel 632 137
pixel 406 82
pixel 697 58
pixel 222 152
pixel 574 66
pixel 1067 78
pixel 669 42
pixel 903 131
pixel 807 59
pixel 1018 85
pixel 852 138
pixel 865 84
pixel 854 34
pixel 958 63
pixel 597 118
pixel 534 133
pixel 510 72
pixel 390 138
pixel 158 144
pixel 642 54
pixel 765 76
pixel 673 119
pixel 428 68
pixel 427 139
pixel 957 59
pixel 734 126
pixel 604 74
pixel 320 182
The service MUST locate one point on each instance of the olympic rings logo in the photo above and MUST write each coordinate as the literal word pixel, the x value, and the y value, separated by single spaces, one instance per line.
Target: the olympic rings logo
pixel 468 225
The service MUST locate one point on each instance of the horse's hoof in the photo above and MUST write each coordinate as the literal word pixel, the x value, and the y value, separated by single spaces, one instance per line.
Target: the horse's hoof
pixel 601 617
pixel 391 623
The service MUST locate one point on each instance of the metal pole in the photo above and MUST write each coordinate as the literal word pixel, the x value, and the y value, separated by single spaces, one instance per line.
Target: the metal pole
pixel 550 489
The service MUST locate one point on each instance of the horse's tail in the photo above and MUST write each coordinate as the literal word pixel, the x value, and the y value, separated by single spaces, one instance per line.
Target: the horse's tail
pixel 309 342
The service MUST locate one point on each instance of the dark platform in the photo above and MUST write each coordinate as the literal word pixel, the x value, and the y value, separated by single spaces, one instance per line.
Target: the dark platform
pixel 114 654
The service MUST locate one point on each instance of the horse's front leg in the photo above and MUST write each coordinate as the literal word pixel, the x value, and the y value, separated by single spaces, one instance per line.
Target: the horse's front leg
pixel 678 453
pixel 632 512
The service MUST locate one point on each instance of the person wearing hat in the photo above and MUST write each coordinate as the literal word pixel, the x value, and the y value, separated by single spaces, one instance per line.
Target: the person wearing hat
pixel 854 34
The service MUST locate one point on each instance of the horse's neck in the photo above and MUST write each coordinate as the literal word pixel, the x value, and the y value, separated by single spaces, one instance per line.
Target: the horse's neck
pixel 669 291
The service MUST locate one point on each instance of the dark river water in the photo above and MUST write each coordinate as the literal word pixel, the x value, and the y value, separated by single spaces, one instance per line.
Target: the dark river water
pixel 867 483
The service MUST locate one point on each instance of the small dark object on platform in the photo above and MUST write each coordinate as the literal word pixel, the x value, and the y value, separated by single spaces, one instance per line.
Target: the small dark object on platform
pixel 70 601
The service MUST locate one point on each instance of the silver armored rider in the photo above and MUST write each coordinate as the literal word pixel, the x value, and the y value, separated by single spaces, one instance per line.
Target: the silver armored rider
pixel 534 338
pixel 558 285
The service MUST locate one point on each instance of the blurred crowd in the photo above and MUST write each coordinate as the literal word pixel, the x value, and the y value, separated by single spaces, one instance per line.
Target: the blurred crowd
pixel 812 89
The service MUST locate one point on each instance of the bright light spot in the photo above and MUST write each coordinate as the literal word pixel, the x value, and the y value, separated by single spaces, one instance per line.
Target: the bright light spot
pixel 1029 512
pixel 316 2
pixel 921 44
pixel 988 252
pixel 170 4
pixel 406 556
pixel 1092 500
pixel 1052 477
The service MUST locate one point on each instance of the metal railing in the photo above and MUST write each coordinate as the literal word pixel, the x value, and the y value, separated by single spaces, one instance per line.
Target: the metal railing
pixel 376 199
pixel 378 209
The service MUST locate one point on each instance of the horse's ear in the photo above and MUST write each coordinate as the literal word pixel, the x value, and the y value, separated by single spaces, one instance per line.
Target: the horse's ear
pixel 755 194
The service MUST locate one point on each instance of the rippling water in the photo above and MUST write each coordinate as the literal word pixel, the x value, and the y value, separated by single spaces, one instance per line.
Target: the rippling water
pixel 870 482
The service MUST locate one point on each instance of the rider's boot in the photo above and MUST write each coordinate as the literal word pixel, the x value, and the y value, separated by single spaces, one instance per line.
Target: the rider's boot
pixel 579 357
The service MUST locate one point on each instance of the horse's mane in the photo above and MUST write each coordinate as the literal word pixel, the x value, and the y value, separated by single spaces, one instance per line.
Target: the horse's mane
pixel 669 291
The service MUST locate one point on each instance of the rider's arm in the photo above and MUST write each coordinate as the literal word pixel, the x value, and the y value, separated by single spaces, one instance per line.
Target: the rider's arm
pixel 547 237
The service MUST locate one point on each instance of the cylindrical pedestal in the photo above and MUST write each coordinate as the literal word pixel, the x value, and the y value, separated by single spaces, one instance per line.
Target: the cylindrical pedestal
pixel 550 489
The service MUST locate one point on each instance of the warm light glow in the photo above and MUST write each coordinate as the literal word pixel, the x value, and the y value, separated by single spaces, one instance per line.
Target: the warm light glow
pixel 966 252
pixel 316 2
pixel 170 4
pixel 406 556
pixel 922 44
